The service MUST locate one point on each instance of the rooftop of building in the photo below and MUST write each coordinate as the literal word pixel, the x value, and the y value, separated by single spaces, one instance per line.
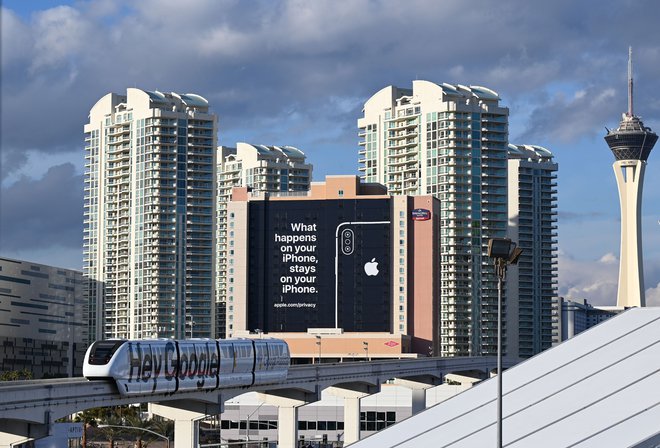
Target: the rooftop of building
pixel 334 187
pixel 534 153
pixel 596 389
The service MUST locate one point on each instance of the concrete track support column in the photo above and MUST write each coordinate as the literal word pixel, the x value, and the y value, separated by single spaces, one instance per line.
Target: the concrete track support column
pixel 288 401
pixel 418 386
pixel 186 416
pixel 352 395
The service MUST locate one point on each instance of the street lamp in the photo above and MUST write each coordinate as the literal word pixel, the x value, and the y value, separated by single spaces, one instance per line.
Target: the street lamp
pixel 318 343
pixel 504 252
pixel 247 427
pixel 365 346
pixel 139 429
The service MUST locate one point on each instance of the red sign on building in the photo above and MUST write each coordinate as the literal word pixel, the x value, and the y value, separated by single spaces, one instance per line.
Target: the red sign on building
pixel 421 214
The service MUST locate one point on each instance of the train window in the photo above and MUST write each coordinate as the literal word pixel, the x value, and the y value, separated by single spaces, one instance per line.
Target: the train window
pixel 102 352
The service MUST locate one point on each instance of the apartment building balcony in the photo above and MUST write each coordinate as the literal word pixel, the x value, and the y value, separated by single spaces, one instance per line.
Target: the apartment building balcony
pixel 403 134
pixel 404 122
pixel 200 124
pixel 119 129
pixel 403 144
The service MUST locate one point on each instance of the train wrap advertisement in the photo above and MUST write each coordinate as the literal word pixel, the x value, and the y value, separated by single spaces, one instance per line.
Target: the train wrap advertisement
pixel 295 248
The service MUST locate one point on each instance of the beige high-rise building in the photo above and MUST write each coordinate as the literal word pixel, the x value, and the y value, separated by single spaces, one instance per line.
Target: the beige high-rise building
pixel 149 215
pixel 533 306
pixel 449 141
pixel 261 168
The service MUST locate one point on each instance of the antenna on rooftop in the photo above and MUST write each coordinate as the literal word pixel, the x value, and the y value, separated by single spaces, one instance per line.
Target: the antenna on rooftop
pixel 630 83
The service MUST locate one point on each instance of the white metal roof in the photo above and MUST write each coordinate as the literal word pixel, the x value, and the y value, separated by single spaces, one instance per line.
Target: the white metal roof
pixel 601 388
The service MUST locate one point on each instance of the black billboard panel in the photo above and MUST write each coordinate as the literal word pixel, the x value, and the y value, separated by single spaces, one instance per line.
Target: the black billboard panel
pixel 319 264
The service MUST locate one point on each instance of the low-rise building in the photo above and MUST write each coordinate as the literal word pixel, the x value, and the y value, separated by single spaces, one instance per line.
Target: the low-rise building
pixel 43 319
pixel 578 315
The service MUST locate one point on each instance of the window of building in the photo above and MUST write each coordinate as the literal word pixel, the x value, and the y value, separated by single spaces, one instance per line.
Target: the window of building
pixel 375 421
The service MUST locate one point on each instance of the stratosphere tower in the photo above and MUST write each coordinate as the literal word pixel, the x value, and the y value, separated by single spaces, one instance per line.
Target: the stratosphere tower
pixel 631 143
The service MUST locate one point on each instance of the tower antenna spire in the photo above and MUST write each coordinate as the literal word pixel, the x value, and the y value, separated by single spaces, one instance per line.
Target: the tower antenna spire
pixel 630 83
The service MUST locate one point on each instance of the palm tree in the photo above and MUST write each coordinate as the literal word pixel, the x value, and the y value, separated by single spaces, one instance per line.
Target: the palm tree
pixel 89 418
pixel 136 421
pixel 163 426
pixel 113 429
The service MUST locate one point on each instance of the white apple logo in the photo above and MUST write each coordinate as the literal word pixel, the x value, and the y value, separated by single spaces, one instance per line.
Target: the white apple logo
pixel 371 267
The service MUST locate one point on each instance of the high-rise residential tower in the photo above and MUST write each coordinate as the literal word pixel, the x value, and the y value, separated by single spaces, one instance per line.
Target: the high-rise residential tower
pixel 449 141
pixel 532 304
pixel 262 168
pixel 149 215
pixel 631 143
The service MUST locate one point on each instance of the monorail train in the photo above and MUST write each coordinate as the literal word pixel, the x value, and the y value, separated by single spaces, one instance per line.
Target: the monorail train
pixel 168 366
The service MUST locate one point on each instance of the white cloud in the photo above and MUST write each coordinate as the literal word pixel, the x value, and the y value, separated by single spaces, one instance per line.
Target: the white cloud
pixel 653 296
pixel 16 39
pixel 569 118
pixel 524 73
pixel 597 280
pixel 61 33
pixel 224 41
pixel 609 258
pixel 594 280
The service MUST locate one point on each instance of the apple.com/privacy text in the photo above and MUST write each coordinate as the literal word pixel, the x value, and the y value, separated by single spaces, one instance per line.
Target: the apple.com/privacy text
pixel 294 305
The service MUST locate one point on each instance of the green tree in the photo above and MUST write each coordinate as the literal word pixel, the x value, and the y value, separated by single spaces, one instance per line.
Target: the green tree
pixel 163 426
pixel 142 438
pixel 89 418
pixel 16 375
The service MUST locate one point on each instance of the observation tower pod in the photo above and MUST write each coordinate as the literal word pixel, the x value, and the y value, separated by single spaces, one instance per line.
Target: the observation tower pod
pixel 631 143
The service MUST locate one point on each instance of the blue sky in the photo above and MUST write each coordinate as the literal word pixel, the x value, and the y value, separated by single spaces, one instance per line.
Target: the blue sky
pixel 298 72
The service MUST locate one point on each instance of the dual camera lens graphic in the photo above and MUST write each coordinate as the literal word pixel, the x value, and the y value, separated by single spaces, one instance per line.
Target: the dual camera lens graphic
pixel 348 240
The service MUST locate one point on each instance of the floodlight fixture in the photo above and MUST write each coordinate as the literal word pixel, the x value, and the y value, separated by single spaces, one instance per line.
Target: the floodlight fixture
pixel 515 255
pixel 500 248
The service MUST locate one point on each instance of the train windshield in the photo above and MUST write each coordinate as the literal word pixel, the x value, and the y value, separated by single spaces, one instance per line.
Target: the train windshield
pixel 102 351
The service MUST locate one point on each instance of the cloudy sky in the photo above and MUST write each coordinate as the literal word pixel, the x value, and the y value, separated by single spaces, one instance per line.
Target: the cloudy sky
pixel 298 72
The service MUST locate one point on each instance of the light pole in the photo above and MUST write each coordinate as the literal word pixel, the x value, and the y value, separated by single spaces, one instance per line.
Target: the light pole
pixel 365 346
pixel 139 429
pixel 247 427
pixel 318 343
pixel 504 252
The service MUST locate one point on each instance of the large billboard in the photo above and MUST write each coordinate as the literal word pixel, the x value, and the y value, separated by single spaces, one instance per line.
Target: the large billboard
pixel 319 264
